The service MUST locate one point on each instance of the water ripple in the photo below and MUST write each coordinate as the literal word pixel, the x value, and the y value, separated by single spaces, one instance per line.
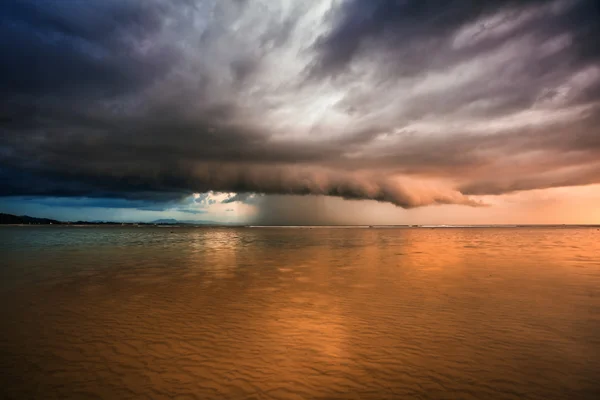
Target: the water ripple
pixel 106 313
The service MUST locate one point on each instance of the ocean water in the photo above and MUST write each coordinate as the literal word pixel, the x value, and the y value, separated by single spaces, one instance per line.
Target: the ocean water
pixel 268 313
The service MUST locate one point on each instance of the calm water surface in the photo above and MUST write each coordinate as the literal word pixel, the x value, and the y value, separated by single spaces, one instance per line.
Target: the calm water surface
pixel 266 313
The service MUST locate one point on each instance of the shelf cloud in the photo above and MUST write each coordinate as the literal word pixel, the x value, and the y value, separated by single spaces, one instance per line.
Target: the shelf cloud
pixel 412 102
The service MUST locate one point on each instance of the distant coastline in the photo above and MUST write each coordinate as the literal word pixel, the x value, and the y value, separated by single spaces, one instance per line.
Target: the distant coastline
pixel 25 220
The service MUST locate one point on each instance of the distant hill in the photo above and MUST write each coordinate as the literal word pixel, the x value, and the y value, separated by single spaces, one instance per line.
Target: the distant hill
pixel 9 219
pixel 26 220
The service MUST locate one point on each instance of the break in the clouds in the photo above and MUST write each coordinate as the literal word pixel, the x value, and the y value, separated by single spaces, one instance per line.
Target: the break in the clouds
pixel 413 102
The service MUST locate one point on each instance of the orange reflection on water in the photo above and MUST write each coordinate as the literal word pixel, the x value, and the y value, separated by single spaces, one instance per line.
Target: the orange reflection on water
pixel 286 313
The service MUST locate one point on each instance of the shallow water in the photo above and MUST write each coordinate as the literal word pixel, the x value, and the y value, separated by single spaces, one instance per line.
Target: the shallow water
pixel 266 313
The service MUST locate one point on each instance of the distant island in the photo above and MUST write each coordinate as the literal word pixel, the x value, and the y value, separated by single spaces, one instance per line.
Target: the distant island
pixel 10 219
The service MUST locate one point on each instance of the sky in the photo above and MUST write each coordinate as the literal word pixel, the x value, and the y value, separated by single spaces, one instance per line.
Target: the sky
pixel 301 112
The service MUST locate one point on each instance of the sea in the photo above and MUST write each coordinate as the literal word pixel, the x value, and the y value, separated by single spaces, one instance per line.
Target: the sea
pixel 99 312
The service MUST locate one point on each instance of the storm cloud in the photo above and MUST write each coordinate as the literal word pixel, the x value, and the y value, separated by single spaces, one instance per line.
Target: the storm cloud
pixel 410 102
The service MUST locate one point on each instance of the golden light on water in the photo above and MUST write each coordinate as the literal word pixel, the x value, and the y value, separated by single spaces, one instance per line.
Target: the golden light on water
pixel 301 313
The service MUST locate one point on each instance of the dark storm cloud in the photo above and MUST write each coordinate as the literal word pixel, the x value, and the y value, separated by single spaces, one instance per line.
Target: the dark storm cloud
pixel 419 33
pixel 396 26
pixel 152 101
pixel 62 47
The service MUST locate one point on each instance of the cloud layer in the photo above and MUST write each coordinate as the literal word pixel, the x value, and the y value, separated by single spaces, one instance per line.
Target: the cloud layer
pixel 413 103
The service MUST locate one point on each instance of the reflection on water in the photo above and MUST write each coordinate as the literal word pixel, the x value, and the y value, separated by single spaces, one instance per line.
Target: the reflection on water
pixel 299 314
